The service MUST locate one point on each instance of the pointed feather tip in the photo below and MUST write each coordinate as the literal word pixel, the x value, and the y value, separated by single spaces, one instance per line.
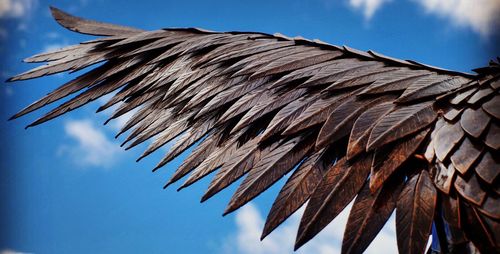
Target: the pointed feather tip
pixel 35 123
pixel 170 182
pixel 265 232
pixel 143 155
pixel 13 117
pixel 231 207
pixel 156 168
pixel 208 194
pixel 119 133
pixel 130 146
pixel 182 187
pixel 226 212
pixel 300 241
pixel 204 198
pixel 107 121
pixel 11 79
pixel 58 13
pixel 102 108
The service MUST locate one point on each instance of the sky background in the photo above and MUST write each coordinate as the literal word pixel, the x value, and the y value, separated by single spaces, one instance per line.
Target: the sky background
pixel 67 186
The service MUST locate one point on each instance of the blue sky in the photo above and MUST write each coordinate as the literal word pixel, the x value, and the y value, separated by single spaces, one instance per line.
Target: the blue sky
pixel 67 187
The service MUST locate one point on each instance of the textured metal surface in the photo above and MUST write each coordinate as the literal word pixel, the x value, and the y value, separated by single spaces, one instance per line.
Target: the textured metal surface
pixel 405 136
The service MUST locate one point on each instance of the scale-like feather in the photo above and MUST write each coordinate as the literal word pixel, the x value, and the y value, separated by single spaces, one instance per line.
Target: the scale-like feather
pixel 474 122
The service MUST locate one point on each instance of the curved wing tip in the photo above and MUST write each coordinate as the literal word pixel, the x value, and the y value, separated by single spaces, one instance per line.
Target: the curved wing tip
pixel 63 18
pixel 57 13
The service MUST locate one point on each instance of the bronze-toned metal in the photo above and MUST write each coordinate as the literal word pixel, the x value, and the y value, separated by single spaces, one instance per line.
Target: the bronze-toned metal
pixel 389 133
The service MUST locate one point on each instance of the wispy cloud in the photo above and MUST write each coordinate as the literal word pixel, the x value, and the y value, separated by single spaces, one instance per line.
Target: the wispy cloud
pixel 93 148
pixel 9 251
pixel 54 46
pixel 480 15
pixel 367 7
pixel 250 222
pixel 16 8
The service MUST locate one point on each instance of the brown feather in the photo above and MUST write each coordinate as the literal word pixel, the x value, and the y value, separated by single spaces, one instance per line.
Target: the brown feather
pixel 415 213
pixel 339 186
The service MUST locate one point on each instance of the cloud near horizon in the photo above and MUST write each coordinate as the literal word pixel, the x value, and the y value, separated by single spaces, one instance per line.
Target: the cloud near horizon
pixel 250 223
pixel 16 8
pixel 93 148
pixel 10 251
pixel 368 7
pixel 482 16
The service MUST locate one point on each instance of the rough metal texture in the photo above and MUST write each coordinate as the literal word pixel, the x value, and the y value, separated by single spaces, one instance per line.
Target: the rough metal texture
pixel 405 136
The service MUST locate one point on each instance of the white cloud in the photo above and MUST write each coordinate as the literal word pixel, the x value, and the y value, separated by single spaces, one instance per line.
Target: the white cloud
pixel 93 147
pixel 250 223
pixel 16 8
pixel 8 251
pixel 368 7
pixel 483 16
pixel 54 46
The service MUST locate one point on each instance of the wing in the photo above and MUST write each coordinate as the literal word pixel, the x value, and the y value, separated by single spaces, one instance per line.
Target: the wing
pixel 351 125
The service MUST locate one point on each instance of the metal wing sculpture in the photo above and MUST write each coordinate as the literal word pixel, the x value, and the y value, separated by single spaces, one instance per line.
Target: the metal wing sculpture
pixel 390 134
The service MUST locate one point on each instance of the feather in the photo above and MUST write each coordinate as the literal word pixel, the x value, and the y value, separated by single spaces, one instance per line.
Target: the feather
pixel 385 163
pixel 262 105
pixel 400 123
pixel 341 120
pixel 414 213
pixel 87 26
pixel 339 186
pixel 487 168
pixel 362 127
pixel 474 122
pixel 492 106
pixel 270 169
pixel 368 215
pixel 296 190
